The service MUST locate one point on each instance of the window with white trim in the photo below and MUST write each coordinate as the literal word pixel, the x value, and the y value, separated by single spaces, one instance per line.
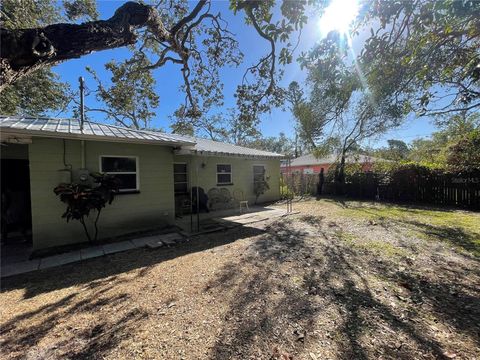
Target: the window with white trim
pixel 224 174
pixel 124 168
pixel 180 178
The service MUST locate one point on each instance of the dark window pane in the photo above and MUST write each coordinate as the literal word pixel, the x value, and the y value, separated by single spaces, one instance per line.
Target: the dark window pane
pixel 258 177
pixel 224 168
pixel 118 164
pixel 258 173
pixel 258 169
pixel 180 177
pixel 181 188
pixel 224 178
pixel 127 181
pixel 179 168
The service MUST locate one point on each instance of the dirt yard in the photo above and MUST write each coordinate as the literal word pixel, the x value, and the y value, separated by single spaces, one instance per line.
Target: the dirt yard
pixel 335 281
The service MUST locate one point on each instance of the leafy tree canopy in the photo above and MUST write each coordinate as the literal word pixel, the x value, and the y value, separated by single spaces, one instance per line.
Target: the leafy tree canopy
pixel 418 55
pixel 436 149
pixel 188 35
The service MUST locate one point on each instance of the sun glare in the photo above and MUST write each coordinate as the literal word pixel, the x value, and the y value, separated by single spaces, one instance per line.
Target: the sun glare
pixel 339 15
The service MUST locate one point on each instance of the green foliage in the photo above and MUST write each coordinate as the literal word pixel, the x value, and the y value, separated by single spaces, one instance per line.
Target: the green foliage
pixel 21 14
pixel 41 91
pixel 341 112
pixel 465 154
pixel 280 144
pixel 436 150
pixel 397 150
pixel 260 187
pixel 285 191
pixel 131 98
pixel 80 9
pixel 420 48
pixel 34 95
pixel 82 199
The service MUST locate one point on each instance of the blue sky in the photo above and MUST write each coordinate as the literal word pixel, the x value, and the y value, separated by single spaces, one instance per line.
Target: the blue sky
pixel 169 77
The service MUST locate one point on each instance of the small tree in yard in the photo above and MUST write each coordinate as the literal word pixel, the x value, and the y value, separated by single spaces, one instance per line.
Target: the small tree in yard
pixel 81 199
pixel 260 186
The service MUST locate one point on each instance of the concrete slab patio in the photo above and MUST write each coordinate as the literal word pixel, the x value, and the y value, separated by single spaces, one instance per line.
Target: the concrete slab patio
pixel 226 219
pixel 217 221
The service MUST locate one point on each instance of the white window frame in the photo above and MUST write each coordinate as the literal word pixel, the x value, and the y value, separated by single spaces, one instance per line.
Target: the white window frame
pixel 223 173
pixel 137 173
pixel 264 171
pixel 180 182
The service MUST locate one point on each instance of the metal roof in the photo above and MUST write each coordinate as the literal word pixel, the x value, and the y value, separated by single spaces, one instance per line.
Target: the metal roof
pixel 70 129
pixel 217 148
pixel 310 159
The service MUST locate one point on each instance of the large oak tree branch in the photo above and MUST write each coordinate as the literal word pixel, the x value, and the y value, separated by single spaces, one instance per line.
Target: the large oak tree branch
pixel 26 50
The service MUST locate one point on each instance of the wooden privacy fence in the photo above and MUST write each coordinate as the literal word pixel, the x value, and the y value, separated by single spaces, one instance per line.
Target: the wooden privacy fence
pixel 460 190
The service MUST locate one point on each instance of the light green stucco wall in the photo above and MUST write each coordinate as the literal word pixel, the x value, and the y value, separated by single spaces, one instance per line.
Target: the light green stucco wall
pixel 151 208
pixel 242 174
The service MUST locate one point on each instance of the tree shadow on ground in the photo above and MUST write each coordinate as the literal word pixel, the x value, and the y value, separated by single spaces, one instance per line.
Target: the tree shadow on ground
pixel 451 302
pixel 85 339
pixel 93 270
pixel 410 335
pixel 359 204
pixel 274 315
pixel 264 306
pixel 313 220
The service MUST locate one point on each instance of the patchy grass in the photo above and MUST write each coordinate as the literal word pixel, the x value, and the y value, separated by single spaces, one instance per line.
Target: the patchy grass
pixel 456 228
pixel 379 247
pixel 338 280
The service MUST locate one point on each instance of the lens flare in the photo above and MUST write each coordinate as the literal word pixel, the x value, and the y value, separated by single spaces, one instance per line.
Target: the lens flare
pixel 338 16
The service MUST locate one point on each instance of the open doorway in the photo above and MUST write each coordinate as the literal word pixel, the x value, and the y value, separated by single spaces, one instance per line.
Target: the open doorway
pixel 16 221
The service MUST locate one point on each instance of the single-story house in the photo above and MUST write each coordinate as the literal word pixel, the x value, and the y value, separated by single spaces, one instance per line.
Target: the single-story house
pixel 155 169
pixel 309 164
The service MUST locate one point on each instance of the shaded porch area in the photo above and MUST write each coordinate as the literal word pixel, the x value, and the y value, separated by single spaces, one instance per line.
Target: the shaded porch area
pixel 226 219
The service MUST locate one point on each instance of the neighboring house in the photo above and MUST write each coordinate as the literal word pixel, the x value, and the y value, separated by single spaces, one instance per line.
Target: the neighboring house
pixel 154 167
pixel 309 164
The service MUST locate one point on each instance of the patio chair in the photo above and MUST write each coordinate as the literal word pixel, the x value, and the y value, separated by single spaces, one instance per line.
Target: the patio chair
pixel 239 196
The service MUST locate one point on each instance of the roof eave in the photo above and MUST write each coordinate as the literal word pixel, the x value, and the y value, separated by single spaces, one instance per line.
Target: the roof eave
pixel 92 137
pixel 226 154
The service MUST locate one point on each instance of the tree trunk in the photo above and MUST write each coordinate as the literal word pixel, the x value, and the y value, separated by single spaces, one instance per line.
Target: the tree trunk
pixel 82 221
pixel 340 176
pixel 26 50
pixel 296 143
pixel 95 238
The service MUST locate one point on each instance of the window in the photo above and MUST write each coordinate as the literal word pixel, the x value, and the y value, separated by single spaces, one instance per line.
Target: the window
pixel 124 168
pixel 180 178
pixel 224 174
pixel 258 173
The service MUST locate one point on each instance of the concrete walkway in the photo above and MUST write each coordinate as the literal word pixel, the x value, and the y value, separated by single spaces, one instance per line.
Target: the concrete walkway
pixel 222 223
pixel 226 219
pixel 155 241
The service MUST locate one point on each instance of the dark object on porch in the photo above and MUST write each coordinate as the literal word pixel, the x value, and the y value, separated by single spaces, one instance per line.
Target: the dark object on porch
pixel 202 200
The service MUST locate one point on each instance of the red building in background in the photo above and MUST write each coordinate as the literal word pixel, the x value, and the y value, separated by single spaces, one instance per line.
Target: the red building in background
pixel 309 164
